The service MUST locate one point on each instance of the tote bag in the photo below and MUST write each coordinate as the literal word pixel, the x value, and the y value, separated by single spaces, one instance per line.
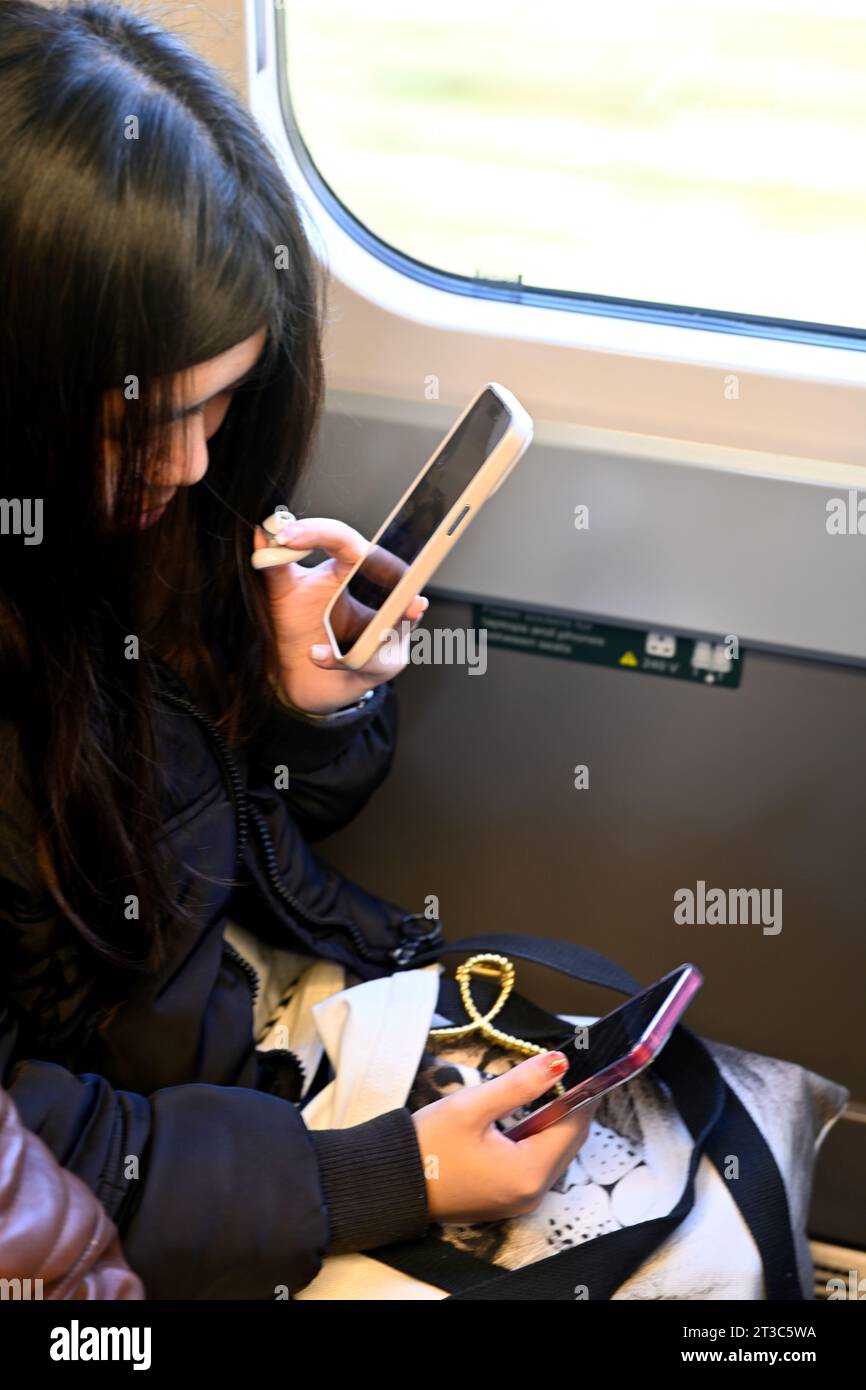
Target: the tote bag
pixel 728 1200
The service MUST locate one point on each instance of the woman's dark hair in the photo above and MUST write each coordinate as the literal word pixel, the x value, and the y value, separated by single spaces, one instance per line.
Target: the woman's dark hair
pixel 145 227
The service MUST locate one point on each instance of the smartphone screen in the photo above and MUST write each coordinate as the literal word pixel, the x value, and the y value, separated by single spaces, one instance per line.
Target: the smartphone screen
pixel 599 1045
pixel 450 473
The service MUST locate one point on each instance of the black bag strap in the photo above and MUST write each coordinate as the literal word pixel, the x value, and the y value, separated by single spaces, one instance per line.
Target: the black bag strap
pixel 719 1124
pixel 580 962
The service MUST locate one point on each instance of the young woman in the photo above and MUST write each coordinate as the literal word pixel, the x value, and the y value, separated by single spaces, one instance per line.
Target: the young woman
pixel 159 390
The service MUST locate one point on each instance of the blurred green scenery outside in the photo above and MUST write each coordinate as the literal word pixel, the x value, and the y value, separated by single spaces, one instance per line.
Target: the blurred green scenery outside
pixel 704 153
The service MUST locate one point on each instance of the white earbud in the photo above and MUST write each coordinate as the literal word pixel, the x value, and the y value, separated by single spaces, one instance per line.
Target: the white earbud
pixel 275 553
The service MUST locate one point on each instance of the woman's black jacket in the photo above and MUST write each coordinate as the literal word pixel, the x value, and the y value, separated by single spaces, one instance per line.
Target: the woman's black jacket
pixel 169 1114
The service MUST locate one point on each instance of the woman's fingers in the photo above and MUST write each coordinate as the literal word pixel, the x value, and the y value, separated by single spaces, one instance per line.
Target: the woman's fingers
pixel 343 543
pixel 555 1147
pixel 521 1084
pixel 416 610
pixel 392 654
pixel 322 656
pixel 279 578
pixel 345 546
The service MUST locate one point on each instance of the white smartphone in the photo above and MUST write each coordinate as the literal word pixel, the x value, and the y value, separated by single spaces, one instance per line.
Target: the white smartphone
pixel 473 460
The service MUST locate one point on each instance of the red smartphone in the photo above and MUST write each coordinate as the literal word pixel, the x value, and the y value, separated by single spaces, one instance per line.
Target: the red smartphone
pixel 615 1048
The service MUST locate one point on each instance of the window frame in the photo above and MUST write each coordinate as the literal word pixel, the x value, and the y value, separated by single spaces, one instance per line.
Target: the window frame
pixel 538 296
pixel 370 277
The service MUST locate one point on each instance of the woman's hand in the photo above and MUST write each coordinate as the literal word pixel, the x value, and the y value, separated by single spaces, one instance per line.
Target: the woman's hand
pixel 474 1171
pixel 312 679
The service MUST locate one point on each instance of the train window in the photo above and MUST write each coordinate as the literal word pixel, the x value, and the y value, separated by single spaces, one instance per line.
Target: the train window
pixel 703 155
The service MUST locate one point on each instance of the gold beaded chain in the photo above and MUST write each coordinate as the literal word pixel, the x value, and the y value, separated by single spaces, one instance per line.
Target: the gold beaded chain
pixel 498 968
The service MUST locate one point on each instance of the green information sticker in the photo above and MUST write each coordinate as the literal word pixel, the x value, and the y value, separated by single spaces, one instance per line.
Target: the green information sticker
pixel 708 660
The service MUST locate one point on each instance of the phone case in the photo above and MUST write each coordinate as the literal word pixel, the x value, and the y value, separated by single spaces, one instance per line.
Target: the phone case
pixel 490 476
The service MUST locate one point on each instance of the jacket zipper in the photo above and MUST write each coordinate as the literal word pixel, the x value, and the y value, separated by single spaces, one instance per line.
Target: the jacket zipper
pixel 230 768
pixel 400 955
pixel 298 908
pixel 249 970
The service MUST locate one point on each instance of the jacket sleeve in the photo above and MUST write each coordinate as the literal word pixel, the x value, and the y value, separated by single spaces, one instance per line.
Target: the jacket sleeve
pixel 219 1192
pixel 216 1191
pixel 333 769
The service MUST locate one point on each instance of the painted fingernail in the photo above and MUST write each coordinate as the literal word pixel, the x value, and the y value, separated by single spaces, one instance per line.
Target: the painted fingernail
pixel 426 603
pixel 290 533
pixel 555 1063
pixel 319 651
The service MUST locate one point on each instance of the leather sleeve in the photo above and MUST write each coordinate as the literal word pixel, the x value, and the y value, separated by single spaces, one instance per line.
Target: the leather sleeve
pixel 53 1231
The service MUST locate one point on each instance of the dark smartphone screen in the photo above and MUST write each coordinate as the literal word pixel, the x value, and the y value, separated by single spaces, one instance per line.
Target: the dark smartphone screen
pixel 445 480
pixel 592 1048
